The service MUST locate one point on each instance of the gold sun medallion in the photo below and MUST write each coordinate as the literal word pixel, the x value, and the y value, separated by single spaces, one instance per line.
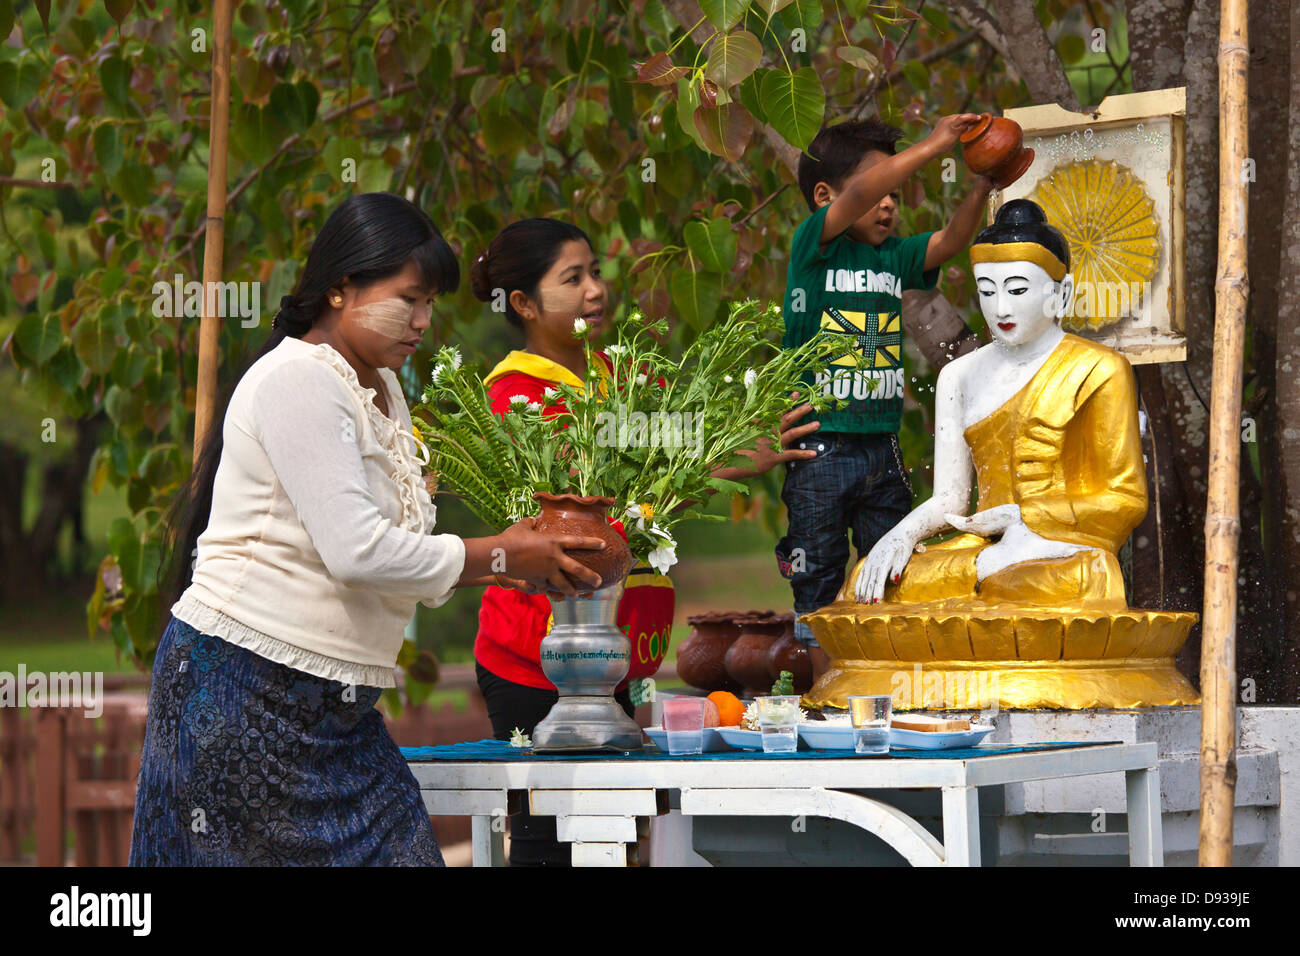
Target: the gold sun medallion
pixel 1110 223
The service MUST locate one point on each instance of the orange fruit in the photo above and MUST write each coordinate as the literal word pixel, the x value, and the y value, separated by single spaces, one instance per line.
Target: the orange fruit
pixel 730 707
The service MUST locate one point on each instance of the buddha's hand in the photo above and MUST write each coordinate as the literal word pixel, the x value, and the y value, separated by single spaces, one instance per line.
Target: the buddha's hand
pixel 989 524
pixel 885 562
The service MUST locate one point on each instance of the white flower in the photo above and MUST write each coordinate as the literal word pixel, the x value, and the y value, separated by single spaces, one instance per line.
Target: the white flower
pixel 436 374
pixel 663 558
pixel 579 326
pixel 615 349
pixel 727 379
pixel 641 379
pixel 519 400
pixel 551 393
pixel 750 378
pixel 520 739
pixel 534 406
pixel 661 533
pixel 455 359
pixel 640 514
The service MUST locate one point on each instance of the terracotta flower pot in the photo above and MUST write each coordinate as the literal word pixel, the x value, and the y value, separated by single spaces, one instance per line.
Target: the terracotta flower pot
pixel 701 657
pixel 994 147
pixel 587 516
pixel 746 659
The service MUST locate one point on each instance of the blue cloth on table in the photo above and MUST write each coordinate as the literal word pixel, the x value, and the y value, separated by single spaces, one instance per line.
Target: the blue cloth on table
pixel 496 750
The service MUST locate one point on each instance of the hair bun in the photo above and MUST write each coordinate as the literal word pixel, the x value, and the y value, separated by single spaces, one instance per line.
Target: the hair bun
pixel 291 317
pixel 480 279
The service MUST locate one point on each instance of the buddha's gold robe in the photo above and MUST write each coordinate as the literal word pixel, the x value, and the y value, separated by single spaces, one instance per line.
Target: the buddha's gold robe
pixel 1066 449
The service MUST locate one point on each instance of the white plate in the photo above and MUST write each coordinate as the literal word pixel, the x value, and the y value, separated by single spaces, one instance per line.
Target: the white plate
pixel 742 739
pixel 947 740
pixel 712 741
pixel 825 735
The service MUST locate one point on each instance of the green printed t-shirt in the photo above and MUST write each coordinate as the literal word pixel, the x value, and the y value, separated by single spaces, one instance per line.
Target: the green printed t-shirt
pixel 853 289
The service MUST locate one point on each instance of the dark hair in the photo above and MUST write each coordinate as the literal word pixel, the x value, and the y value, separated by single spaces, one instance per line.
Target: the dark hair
pixel 837 150
pixel 1023 220
pixel 369 237
pixel 518 257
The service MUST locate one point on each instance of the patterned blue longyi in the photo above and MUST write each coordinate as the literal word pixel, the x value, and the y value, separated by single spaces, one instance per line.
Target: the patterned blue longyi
pixel 248 762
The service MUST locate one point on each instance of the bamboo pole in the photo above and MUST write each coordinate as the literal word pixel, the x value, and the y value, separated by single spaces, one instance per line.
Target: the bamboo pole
pixel 214 236
pixel 1222 527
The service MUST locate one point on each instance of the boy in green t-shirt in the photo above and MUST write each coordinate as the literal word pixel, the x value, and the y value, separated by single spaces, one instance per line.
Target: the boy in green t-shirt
pixel 847 273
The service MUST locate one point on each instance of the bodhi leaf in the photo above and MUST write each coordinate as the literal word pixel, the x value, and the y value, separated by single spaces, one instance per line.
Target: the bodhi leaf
pixel 696 295
pixel 725 130
pixel 733 57
pixel 724 14
pixel 793 103
pixel 39 335
pixel 713 244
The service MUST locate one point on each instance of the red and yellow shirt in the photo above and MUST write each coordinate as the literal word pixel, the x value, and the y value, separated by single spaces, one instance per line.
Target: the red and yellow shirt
pixel 511 624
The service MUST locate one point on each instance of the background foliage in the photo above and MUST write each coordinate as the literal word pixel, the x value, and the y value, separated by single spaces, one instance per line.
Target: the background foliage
pixel 668 130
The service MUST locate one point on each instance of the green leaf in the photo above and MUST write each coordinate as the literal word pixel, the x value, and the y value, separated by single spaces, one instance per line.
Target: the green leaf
pixel 140 614
pixel 793 104
pixel 115 76
pixel 713 244
pixel 733 57
pixel 118 9
pixel 108 148
pixel 696 296
pixel 917 74
pixel 1072 48
pixel 295 104
pixel 725 130
pixel 134 183
pixel 6 17
pixel 805 15
pixel 937 17
pixel 688 101
pixel 724 14
pixel 859 58
pixel 94 342
pixel 39 335
pixel 19 82
pixel 771 7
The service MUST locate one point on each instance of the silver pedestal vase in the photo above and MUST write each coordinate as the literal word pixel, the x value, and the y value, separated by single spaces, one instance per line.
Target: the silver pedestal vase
pixel 586 656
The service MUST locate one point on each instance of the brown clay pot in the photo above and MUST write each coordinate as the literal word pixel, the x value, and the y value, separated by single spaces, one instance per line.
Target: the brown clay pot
pixel 586 516
pixel 746 660
pixel 787 654
pixel 994 147
pixel 700 657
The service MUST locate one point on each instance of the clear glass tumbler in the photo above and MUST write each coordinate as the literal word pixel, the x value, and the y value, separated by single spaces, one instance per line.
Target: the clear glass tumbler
pixel 779 719
pixel 684 724
pixel 870 716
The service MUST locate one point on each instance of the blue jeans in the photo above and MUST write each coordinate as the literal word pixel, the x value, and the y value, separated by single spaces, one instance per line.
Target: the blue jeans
pixel 857 483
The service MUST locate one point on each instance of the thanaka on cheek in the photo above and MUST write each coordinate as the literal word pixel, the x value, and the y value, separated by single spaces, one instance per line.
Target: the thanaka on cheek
pixel 391 318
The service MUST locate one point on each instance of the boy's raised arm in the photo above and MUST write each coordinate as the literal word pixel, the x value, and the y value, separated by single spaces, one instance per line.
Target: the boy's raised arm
pixel 961 228
pixel 863 190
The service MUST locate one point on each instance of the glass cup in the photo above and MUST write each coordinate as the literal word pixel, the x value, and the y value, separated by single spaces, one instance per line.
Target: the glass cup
pixel 779 719
pixel 870 716
pixel 684 724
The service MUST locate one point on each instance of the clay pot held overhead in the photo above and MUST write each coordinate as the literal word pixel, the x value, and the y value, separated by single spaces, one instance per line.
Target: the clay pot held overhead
pixel 994 147
pixel 700 658
pixel 587 516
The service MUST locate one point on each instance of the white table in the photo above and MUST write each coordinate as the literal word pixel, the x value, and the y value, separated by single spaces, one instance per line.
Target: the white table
pixel 597 802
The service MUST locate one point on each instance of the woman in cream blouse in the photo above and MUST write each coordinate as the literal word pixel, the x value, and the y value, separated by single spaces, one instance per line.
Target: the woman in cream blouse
pixel 309 529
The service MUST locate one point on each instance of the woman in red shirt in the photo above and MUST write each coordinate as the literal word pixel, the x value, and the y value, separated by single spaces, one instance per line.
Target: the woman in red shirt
pixel 543 274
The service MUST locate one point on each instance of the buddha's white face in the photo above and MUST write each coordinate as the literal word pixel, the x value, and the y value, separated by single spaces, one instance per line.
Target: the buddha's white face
pixel 1020 300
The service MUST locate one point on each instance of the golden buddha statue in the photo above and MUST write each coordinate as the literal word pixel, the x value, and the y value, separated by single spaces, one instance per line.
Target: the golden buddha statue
pixel 1025 607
